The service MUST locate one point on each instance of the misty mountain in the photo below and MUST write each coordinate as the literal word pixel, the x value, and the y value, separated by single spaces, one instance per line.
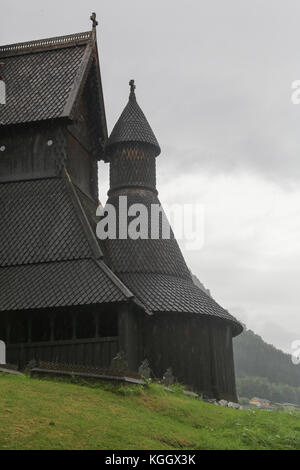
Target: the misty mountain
pixel 254 357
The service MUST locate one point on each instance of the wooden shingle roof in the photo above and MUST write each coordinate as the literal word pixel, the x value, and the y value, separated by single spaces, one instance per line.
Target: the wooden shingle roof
pixel 44 78
pixel 49 256
pixel 155 271
pixel 39 223
pixel 162 293
pixel 56 284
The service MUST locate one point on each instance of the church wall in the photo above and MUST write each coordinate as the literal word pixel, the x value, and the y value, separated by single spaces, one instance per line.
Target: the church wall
pixel 33 151
pixel 198 350
pixel 84 145
pixel 223 358
pixel 130 322
pixel 88 352
pixel 82 167
pixel 78 335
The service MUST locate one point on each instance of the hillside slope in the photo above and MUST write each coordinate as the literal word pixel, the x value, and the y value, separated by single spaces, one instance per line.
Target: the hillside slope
pixel 40 414
pixel 254 357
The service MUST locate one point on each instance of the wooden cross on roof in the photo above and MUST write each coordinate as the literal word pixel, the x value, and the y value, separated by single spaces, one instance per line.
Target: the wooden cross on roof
pixel 93 19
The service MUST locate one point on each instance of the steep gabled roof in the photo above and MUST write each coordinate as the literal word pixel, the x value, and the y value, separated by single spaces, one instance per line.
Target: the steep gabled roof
pixel 39 223
pixel 56 284
pixel 45 78
pixel 49 255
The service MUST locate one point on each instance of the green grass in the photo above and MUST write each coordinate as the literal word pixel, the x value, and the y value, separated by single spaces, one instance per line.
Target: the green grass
pixel 44 414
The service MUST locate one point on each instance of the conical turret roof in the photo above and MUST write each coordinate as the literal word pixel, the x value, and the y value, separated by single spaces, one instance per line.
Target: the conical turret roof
pixel 132 125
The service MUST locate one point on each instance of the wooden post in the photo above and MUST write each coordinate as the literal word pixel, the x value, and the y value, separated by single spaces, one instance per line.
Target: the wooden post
pixel 29 331
pixel 213 364
pixel 52 324
pixel 128 336
pixel 97 333
pixel 74 326
pixel 7 331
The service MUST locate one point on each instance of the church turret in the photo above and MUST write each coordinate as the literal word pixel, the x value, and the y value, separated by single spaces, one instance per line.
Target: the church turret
pixel 132 149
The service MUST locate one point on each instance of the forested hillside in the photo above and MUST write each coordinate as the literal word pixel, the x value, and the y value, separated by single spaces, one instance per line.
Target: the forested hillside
pixel 254 357
pixel 261 369
pixel 265 371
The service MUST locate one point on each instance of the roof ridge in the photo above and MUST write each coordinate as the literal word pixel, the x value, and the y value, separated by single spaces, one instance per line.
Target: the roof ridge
pixel 120 284
pixel 91 239
pixel 30 179
pixel 46 44
pixel 94 245
pixel 114 278
pixel 46 262
pixel 79 81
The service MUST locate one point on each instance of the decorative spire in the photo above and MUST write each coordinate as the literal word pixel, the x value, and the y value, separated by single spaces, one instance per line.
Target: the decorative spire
pixel 93 19
pixel 132 125
pixel 132 89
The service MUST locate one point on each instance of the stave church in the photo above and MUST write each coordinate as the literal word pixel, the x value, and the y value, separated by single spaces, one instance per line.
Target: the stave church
pixel 65 295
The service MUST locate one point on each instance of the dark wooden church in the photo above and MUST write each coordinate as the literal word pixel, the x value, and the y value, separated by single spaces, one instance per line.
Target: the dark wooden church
pixel 66 296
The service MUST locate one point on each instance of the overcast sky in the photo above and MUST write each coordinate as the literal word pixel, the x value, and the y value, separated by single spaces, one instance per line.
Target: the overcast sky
pixel 214 80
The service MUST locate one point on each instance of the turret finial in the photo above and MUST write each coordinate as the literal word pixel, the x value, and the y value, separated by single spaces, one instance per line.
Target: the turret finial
pixel 132 85
pixel 93 19
pixel 132 88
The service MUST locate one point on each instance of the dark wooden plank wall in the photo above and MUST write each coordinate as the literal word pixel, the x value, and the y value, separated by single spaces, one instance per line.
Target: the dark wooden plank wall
pixel 82 167
pixel 198 350
pixel 224 362
pixel 28 154
pixel 97 352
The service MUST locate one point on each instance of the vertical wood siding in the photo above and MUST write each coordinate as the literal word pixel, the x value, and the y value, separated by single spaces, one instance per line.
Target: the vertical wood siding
pixel 93 352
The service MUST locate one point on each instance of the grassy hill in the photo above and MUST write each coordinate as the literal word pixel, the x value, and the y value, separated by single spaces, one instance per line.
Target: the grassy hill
pixel 42 414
